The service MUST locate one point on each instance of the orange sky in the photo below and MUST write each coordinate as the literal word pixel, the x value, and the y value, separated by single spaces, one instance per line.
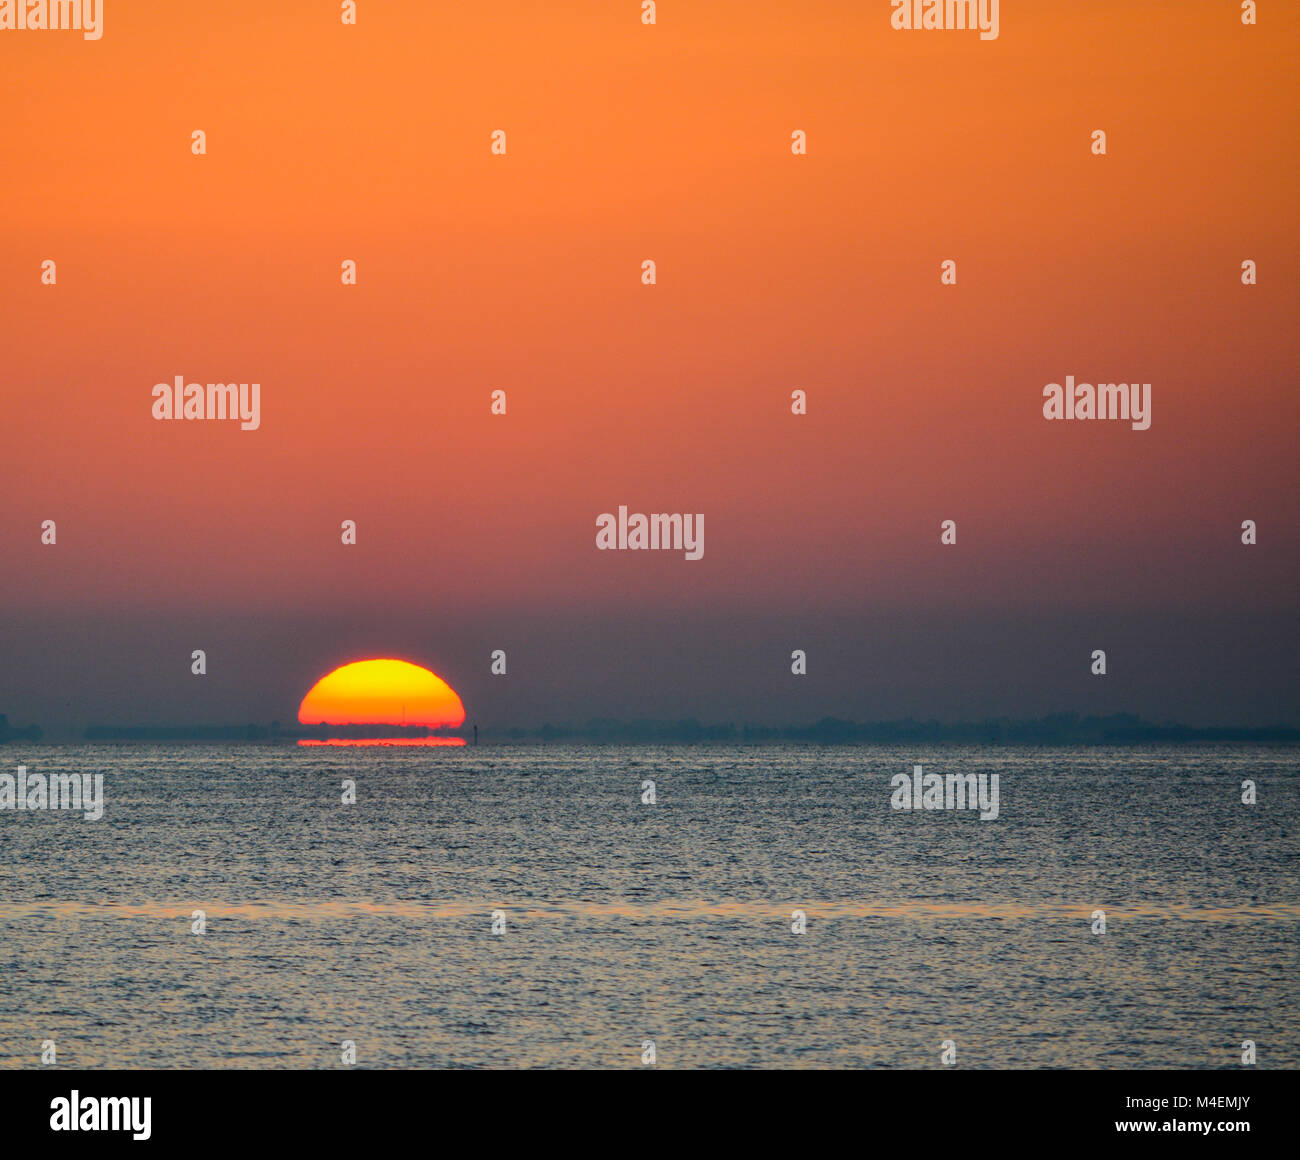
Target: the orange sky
pixel 775 272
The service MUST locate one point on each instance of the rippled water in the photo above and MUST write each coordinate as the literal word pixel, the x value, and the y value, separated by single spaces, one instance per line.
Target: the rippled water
pixel 671 922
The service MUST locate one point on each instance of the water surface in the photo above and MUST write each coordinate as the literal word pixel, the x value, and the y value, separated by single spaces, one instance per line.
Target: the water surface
pixel 627 922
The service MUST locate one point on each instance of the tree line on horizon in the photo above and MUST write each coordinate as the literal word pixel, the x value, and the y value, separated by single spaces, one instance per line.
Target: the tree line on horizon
pixel 9 733
pixel 1053 729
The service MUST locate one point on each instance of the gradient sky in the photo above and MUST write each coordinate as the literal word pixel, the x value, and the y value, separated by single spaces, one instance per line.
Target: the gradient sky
pixel 775 272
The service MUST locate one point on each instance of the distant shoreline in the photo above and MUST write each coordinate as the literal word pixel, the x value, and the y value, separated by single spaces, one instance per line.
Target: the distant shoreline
pixel 1054 730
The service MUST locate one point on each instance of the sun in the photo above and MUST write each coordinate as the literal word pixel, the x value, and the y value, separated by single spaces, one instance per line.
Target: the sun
pixel 382 692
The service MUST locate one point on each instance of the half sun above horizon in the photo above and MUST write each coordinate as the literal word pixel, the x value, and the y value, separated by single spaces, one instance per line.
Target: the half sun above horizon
pixel 382 692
